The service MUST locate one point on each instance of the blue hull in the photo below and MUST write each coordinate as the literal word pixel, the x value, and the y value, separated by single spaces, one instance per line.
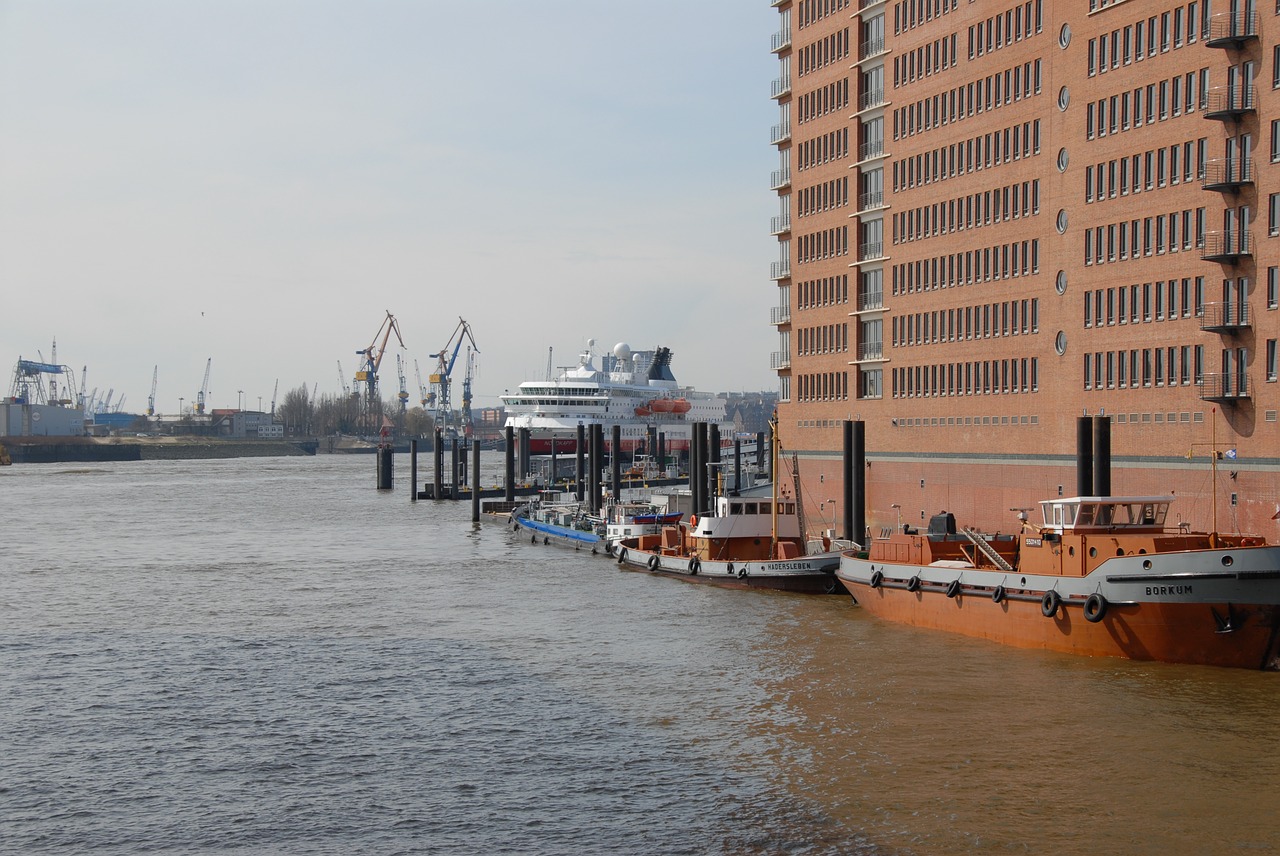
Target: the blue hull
pixel 560 534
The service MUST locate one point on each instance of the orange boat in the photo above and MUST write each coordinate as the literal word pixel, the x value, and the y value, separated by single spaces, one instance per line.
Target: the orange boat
pixel 680 405
pixel 662 405
pixel 1100 576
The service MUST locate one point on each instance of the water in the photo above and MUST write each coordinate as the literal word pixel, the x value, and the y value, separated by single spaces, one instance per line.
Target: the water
pixel 253 656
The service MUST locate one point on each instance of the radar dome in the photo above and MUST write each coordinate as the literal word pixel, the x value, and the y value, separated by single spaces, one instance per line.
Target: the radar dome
pixel 622 351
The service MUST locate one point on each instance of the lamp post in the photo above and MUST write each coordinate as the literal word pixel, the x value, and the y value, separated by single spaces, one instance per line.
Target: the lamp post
pixel 898 508
pixel 240 400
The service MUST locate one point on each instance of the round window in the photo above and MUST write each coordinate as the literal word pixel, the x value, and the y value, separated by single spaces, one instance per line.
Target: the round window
pixel 1064 98
pixel 1060 343
pixel 1064 35
pixel 1063 160
pixel 1061 222
pixel 1061 282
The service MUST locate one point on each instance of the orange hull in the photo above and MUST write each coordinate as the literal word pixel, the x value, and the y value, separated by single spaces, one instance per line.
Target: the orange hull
pixel 1168 632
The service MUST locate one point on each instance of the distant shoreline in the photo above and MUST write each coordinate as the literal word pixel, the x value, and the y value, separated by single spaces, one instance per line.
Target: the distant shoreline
pixel 51 450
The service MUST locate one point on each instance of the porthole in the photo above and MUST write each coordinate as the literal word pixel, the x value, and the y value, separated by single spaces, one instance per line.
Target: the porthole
pixel 1060 343
pixel 1093 552
pixel 1064 98
pixel 1061 282
pixel 1061 223
pixel 1227 561
pixel 1063 160
pixel 1146 564
pixel 1064 35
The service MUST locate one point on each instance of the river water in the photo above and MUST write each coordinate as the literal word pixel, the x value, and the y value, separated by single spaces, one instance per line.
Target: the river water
pixel 270 656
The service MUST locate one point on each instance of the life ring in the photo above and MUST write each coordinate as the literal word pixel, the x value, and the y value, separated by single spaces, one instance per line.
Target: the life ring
pixel 653 563
pixel 953 588
pixel 742 572
pixel 622 555
pixel 693 522
pixel 729 569
pixel 997 594
pixel 913 584
pixel 1049 603
pixel 694 565
pixel 1095 608
pixel 876 579
pixel 1250 542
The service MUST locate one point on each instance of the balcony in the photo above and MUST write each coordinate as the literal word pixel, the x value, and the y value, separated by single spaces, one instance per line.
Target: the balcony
pixel 869 301
pixel 1226 246
pixel 873 149
pixel 1227 174
pixel 780 270
pixel 871 99
pixel 870 48
pixel 1230 102
pixel 870 200
pixel 1225 317
pixel 1224 388
pixel 871 251
pixel 779 360
pixel 1231 29
pixel 780 87
pixel 780 225
pixel 779 179
pixel 781 41
pixel 779 315
pixel 780 133
pixel 870 351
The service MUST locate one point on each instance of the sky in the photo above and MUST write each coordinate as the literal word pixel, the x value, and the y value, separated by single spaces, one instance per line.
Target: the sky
pixel 258 182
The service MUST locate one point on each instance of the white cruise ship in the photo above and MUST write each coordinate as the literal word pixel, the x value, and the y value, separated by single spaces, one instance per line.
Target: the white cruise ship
pixel 633 389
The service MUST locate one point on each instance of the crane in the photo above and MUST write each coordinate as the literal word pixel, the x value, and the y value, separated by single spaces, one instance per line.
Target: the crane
pixel 342 381
pixel 444 368
pixel 404 393
pixel 204 387
pixel 273 397
pixel 427 398
pixel 151 399
pixel 373 358
pixel 467 424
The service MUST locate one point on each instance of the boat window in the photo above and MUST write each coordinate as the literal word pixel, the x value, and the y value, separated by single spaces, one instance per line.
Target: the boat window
pixel 766 508
pixel 1104 515
pixel 1085 515
pixel 791 508
pixel 753 508
pixel 1069 513
pixel 735 508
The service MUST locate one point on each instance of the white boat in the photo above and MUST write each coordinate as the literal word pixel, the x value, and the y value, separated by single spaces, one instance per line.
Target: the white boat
pixel 632 389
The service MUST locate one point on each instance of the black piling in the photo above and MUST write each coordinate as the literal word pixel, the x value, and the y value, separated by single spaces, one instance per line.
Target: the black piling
pixel 737 463
pixel 385 460
pixel 597 466
pixel 1102 456
pixel 524 454
pixel 615 461
pixel 453 458
pixel 695 469
pixel 662 453
pixel 437 452
pixel 855 482
pixel 413 470
pixel 761 455
pixel 581 450
pixel 510 494
pixel 713 461
pixel 475 480
pixel 555 461
pixel 1084 456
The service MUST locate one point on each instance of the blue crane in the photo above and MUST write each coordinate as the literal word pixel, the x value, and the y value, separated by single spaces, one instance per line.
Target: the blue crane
pixel 440 378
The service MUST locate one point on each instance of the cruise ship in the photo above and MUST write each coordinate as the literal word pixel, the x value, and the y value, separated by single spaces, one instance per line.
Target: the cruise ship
pixel 633 389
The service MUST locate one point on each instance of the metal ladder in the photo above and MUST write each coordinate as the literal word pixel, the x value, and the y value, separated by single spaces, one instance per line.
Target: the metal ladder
pixel 987 549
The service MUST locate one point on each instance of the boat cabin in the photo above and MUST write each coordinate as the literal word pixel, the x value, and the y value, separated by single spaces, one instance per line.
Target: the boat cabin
pixel 1110 513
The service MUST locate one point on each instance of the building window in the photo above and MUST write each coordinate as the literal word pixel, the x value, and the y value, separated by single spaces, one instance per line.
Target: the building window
pixel 1272 367
pixel 1273 283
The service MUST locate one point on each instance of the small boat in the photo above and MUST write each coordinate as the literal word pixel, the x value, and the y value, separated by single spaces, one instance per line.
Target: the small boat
pixel 747 540
pixel 1099 576
pixel 555 517
pixel 662 405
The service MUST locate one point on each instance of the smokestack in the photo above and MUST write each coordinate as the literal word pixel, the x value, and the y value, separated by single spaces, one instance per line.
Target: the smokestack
pixel 1084 456
pixel 1102 456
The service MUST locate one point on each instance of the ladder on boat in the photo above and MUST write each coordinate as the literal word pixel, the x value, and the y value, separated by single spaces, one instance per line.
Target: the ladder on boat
pixel 986 549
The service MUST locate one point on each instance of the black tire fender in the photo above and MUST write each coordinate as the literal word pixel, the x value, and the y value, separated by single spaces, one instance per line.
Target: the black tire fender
pixel 877 579
pixel 913 584
pixel 953 588
pixel 653 563
pixel 997 594
pixel 1049 603
pixel 694 565
pixel 1095 608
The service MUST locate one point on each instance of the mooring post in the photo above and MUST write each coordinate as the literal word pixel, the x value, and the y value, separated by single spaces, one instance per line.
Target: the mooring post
pixel 413 469
pixel 1084 456
pixel 615 462
pixel 510 494
pixel 555 462
pixel 438 455
pixel 475 479
pixel 713 456
pixel 453 463
pixel 1102 455
pixel 581 449
pixel 662 454
pixel 737 463
pixel 384 467
pixel 855 482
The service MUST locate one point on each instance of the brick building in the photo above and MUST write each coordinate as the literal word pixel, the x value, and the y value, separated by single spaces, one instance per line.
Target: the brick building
pixel 995 217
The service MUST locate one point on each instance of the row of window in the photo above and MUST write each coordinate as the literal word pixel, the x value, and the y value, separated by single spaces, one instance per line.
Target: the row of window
pixel 822 149
pixel 1133 239
pixel 823 386
pixel 825 244
pixel 985 321
pixel 823 100
pixel 1176 365
pixel 823 52
pixel 1148 170
pixel 956 104
pixel 1146 38
pixel 971 211
pixel 981 377
pixel 981 152
pixel 812 11
pixel 827 291
pixel 915 13
pixel 1012 25
pixel 822 197
pixel 1133 304
pixel 1003 261
pixel 925 61
pixel 1148 104
pixel 824 339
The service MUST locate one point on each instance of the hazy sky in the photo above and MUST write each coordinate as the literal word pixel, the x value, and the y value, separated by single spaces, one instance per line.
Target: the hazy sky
pixel 259 181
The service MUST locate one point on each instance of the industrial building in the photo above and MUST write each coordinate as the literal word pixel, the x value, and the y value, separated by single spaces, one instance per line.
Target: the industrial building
pixel 996 217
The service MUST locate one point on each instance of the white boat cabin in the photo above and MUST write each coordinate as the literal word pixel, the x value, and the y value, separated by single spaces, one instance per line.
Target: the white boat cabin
pixel 743 516
pixel 1110 513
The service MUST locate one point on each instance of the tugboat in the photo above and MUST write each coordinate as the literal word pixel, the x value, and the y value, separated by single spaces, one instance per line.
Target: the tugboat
pixel 1098 576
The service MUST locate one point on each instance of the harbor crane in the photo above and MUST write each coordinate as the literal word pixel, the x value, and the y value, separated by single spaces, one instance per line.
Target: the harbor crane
pixel 151 399
pixel 342 381
pixel 274 392
pixel 204 387
pixel 440 379
pixel 403 395
pixel 422 387
pixel 373 358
